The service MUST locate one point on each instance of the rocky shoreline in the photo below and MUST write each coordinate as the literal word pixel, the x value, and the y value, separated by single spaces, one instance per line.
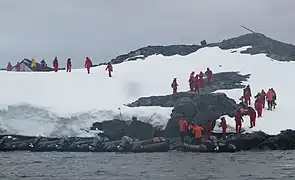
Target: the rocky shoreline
pixel 235 142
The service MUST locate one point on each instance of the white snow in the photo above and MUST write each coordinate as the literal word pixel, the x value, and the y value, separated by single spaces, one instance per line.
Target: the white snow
pixel 96 97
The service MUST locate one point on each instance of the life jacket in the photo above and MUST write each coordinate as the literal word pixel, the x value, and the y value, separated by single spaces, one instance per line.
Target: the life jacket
pixel 183 125
pixel 197 132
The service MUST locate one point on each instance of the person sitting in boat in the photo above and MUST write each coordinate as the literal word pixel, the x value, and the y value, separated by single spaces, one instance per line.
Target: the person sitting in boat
pixel 197 132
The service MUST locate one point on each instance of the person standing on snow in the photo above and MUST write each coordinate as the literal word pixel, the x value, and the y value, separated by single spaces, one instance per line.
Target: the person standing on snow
pixel 201 80
pixel 18 67
pixel 223 126
pixel 191 81
pixel 209 75
pixel 174 85
pixel 88 64
pixel 269 99
pixel 258 105
pixel 247 95
pixel 69 65
pixel 263 97
pixel 274 98
pixel 196 84
pixel 9 67
pixel 33 64
pixel 252 114
pixel 55 64
pixel 109 68
pixel 239 120
pixel 183 129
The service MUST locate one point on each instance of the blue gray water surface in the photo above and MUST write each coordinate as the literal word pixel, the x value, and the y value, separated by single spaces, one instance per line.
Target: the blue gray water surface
pixel 153 166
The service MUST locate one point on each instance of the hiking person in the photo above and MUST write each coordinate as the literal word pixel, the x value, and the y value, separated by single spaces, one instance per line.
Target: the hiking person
pixel 174 85
pixel 269 98
pixel 191 81
pixel 9 67
pixel 238 120
pixel 223 126
pixel 201 79
pixel 209 75
pixel 258 105
pixel 247 95
pixel 88 64
pixel 69 65
pixel 109 68
pixel 55 64
pixel 196 84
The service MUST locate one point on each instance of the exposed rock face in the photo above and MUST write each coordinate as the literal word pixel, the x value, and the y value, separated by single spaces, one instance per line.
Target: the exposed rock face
pixel 152 50
pixel 116 129
pixel 200 109
pixel 224 80
pixel 261 44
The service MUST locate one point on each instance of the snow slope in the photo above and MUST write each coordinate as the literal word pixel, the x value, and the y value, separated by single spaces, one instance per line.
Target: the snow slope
pixel 33 103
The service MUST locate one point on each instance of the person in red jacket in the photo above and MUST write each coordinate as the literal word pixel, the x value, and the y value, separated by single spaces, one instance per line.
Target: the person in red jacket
pixel 239 120
pixel 197 83
pixel 18 67
pixel 69 65
pixel 191 81
pixel 55 64
pixel 174 85
pixel 183 128
pixel 209 75
pixel 252 113
pixel 258 105
pixel 209 128
pixel 109 68
pixel 201 79
pixel 247 95
pixel 269 98
pixel 9 67
pixel 88 64
pixel 223 126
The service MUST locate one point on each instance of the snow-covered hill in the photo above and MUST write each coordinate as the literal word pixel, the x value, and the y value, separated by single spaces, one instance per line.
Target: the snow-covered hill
pixel 50 103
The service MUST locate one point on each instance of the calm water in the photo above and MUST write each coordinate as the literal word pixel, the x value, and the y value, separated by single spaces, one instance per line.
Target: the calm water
pixel 155 166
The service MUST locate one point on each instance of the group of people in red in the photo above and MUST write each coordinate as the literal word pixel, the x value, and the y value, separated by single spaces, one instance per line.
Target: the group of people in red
pixel 259 105
pixel 196 81
pixel 88 64
pixel 194 130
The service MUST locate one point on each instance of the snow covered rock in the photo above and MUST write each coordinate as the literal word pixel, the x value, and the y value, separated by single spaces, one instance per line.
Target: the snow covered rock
pixel 261 44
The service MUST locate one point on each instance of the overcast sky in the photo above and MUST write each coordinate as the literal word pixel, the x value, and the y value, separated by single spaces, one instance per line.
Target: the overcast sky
pixel 103 29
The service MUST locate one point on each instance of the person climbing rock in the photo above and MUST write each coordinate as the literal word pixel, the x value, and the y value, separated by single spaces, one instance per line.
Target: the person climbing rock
pixel 196 84
pixel 247 95
pixel 209 75
pixel 183 129
pixel 55 64
pixel 252 114
pixel 191 81
pixel 238 120
pixel 69 65
pixel 201 80
pixel 258 105
pixel 223 126
pixel 88 64
pixel 33 64
pixel 109 68
pixel 174 85
pixel 18 67
pixel 269 98
pixel 9 67
pixel 197 132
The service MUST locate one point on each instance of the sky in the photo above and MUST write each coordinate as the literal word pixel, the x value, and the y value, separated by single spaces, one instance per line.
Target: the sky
pixel 104 29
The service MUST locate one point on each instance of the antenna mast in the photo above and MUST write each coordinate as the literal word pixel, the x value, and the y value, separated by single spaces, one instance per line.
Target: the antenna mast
pixel 248 29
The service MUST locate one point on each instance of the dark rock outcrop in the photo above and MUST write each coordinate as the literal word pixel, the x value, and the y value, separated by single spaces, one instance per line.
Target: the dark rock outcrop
pixel 200 109
pixel 144 52
pixel 116 129
pixel 224 80
pixel 261 44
